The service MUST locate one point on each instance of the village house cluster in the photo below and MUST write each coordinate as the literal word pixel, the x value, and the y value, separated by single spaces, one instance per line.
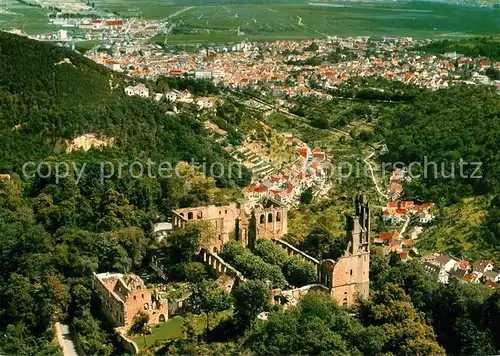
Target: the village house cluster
pixel 286 185
pixel 400 242
pixel 276 63
pixel 443 267
pixel 172 96
pixel 407 213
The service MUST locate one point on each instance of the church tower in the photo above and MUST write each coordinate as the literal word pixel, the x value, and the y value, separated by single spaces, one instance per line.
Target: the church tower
pixel 349 277
pixel 358 228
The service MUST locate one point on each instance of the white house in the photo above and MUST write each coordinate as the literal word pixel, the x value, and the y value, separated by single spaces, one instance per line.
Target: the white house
pixel 483 266
pixel 492 276
pixel 439 272
pixel 138 90
pixel 172 95
pixel 424 217
pixel 445 262
pixel 205 103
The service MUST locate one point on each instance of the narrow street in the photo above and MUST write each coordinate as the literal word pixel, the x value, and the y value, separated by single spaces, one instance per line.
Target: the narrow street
pixel 373 175
pixel 405 226
pixel 65 340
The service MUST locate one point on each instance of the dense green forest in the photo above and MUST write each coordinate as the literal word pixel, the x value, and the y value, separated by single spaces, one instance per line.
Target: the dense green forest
pixel 472 47
pixel 56 232
pixel 452 137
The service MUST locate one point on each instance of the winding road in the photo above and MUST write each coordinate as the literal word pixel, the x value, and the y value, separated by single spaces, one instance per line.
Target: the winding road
pixel 65 340
pixel 373 175
pixel 180 12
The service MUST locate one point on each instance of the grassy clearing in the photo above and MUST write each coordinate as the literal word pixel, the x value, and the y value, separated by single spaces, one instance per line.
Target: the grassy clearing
pixel 84 46
pixel 172 329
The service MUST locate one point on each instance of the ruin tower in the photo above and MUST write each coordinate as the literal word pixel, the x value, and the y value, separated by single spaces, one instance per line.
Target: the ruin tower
pixel 348 277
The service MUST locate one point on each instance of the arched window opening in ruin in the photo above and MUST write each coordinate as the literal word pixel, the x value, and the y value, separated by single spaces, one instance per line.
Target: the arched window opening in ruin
pixel 200 215
pixel 279 299
pixel 146 306
pixel 190 215
pixel 344 302
pixel 270 217
pixel 215 250
pixel 161 319
pixel 262 219
pixel 278 216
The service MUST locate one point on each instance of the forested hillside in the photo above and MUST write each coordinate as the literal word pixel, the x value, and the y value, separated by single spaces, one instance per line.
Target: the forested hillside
pixel 471 47
pixel 56 233
pixel 439 130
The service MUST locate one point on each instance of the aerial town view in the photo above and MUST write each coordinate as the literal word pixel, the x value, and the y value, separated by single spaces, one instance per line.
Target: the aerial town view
pixel 254 177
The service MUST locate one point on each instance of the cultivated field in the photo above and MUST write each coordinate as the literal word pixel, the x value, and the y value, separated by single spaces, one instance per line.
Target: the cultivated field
pixel 228 21
pixel 29 19
pixel 214 23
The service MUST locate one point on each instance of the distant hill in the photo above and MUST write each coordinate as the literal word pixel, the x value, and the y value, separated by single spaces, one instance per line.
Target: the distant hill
pixel 30 66
pixel 49 94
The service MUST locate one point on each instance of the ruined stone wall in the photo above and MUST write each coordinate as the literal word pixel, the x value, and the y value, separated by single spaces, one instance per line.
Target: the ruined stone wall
pixel 272 222
pixel 293 251
pixel 220 266
pixel 120 304
pixel 140 300
pixel 111 305
pixel 350 276
pixel 222 218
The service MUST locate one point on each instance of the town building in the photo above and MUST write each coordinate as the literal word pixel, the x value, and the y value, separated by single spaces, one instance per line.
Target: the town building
pixel 123 296
pixel 138 90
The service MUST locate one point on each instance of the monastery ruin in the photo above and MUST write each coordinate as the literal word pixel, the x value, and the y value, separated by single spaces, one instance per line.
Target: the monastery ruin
pixel 124 296
pixel 345 278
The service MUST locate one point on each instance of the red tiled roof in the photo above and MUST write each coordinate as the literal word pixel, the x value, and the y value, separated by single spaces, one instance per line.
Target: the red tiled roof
pixel 302 151
pixel 113 23
pixel 392 204
pixel 406 204
pixel 396 187
pixel 463 265
pixel 401 211
pixel 491 284
pixel 442 259
pixel 470 277
pixel 394 234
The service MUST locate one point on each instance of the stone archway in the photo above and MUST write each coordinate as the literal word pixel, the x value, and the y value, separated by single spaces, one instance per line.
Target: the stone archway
pixel 162 318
